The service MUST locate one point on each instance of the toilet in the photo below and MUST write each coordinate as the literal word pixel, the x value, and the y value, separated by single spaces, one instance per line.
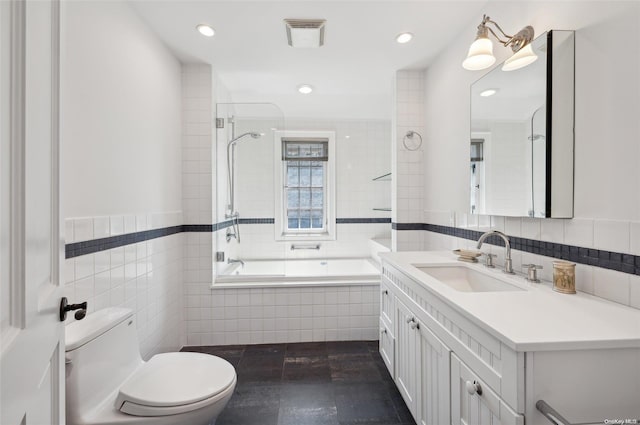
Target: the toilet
pixel 108 383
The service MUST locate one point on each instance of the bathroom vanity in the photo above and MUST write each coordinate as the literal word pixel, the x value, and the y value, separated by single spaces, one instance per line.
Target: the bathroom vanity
pixel 471 345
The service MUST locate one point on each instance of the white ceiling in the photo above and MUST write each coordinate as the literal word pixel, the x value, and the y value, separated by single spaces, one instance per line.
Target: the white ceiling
pixel 352 73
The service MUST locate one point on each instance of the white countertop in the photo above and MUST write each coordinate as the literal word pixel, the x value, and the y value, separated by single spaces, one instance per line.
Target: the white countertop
pixel 536 319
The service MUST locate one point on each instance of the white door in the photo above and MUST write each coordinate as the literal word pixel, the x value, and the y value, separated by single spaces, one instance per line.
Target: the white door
pixel 31 334
pixel 434 365
pixel 406 356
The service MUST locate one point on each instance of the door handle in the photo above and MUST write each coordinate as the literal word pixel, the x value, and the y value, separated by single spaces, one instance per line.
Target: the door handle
pixel 65 307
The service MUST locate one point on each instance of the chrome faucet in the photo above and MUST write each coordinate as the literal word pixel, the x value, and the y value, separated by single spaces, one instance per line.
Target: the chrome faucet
pixel 508 265
pixel 232 261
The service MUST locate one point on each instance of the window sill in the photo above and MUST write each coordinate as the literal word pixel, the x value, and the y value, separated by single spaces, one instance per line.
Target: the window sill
pixel 306 237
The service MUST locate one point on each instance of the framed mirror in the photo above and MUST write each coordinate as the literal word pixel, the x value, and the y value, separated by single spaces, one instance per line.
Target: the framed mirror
pixel 522 139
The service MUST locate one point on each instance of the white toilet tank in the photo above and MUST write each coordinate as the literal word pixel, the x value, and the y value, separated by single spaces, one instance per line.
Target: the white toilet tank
pixel 101 352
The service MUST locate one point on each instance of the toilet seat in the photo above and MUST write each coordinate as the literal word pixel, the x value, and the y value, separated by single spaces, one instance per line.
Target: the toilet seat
pixel 173 383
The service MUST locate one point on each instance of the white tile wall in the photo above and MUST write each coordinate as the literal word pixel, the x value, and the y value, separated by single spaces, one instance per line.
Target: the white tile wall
pixel 271 315
pixel 146 277
pixel 616 236
pixel 197 141
pixel 407 167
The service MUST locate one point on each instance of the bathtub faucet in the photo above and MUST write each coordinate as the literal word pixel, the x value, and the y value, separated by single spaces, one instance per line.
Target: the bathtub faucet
pixel 232 261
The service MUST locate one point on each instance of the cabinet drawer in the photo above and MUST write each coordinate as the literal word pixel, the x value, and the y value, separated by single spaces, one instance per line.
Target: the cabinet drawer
pixel 473 402
pixel 387 347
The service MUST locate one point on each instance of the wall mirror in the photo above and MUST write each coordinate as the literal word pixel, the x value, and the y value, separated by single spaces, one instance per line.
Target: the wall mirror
pixel 522 139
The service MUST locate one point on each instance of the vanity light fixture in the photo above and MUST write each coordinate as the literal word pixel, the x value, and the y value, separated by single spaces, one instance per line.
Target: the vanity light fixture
pixel 305 88
pixel 404 37
pixel 488 92
pixel 205 30
pixel 480 54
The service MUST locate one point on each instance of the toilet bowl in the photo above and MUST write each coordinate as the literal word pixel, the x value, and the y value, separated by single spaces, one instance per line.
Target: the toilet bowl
pixel 108 383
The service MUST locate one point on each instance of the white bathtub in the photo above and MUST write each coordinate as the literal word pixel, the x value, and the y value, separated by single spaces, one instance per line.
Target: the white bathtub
pixel 315 272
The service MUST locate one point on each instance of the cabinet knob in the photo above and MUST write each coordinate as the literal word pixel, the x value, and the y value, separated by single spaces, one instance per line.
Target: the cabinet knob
pixel 385 292
pixel 473 387
pixel 383 331
pixel 411 319
pixel 415 325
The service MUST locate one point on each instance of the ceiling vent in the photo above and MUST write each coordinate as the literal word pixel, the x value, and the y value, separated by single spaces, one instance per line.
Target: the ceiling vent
pixel 305 32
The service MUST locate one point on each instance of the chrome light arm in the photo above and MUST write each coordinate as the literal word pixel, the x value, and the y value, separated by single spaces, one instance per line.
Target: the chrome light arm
pixel 517 41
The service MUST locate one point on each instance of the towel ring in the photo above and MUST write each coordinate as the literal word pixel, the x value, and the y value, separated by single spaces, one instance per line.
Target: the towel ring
pixel 412 141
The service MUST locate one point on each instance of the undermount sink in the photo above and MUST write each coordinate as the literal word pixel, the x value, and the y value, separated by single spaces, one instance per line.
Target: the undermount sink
pixel 465 279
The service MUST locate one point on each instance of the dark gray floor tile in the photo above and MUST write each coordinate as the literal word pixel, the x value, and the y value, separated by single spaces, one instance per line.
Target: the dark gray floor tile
pixel 260 415
pixel 366 412
pixel 306 369
pixel 307 349
pixel 311 395
pixel 360 391
pixel 259 375
pixel 308 415
pixel 347 347
pixel 265 350
pixel 261 362
pixel 255 395
pixel 332 383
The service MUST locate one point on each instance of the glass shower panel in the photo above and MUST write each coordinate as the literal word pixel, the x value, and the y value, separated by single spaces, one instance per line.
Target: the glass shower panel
pixel 245 192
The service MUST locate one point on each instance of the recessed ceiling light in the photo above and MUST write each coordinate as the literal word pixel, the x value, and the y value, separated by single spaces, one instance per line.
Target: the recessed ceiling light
pixel 488 92
pixel 405 37
pixel 205 30
pixel 305 88
pixel 347 137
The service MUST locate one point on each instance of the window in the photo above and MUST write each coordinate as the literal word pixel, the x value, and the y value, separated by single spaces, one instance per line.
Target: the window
pixel 304 207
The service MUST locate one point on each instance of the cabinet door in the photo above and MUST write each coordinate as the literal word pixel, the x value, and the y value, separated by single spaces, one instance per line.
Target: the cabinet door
pixel 473 403
pixel 407 350
pixel 435 362
pixel 387 305
pixel 387 346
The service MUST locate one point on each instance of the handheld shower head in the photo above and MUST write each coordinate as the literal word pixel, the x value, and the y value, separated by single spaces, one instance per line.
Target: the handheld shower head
pixel 254 135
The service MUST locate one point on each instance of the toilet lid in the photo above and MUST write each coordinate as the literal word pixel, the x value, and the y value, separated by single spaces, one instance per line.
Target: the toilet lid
pixel 176 379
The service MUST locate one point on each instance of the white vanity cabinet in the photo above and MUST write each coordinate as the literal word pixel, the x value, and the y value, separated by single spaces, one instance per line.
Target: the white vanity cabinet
pixel 431 379
pixel 453 368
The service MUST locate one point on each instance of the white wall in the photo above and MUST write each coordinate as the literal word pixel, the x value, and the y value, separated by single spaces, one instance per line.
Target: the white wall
pixel 120 123
pixel 607 105
pixel 607 131
pixel 121 166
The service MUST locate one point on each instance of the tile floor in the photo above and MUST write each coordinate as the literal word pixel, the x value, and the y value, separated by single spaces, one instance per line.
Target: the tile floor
pixel 328 383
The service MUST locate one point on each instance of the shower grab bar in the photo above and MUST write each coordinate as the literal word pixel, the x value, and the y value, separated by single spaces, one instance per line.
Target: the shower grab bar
pixel 556 418
pixel 294 247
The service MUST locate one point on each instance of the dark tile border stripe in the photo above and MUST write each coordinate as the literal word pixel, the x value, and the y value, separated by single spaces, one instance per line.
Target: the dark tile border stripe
pixel 77 249
pixel 625 263
pixel 363 220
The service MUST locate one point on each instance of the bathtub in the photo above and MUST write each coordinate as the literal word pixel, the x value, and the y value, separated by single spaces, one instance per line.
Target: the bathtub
pixel 308 272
